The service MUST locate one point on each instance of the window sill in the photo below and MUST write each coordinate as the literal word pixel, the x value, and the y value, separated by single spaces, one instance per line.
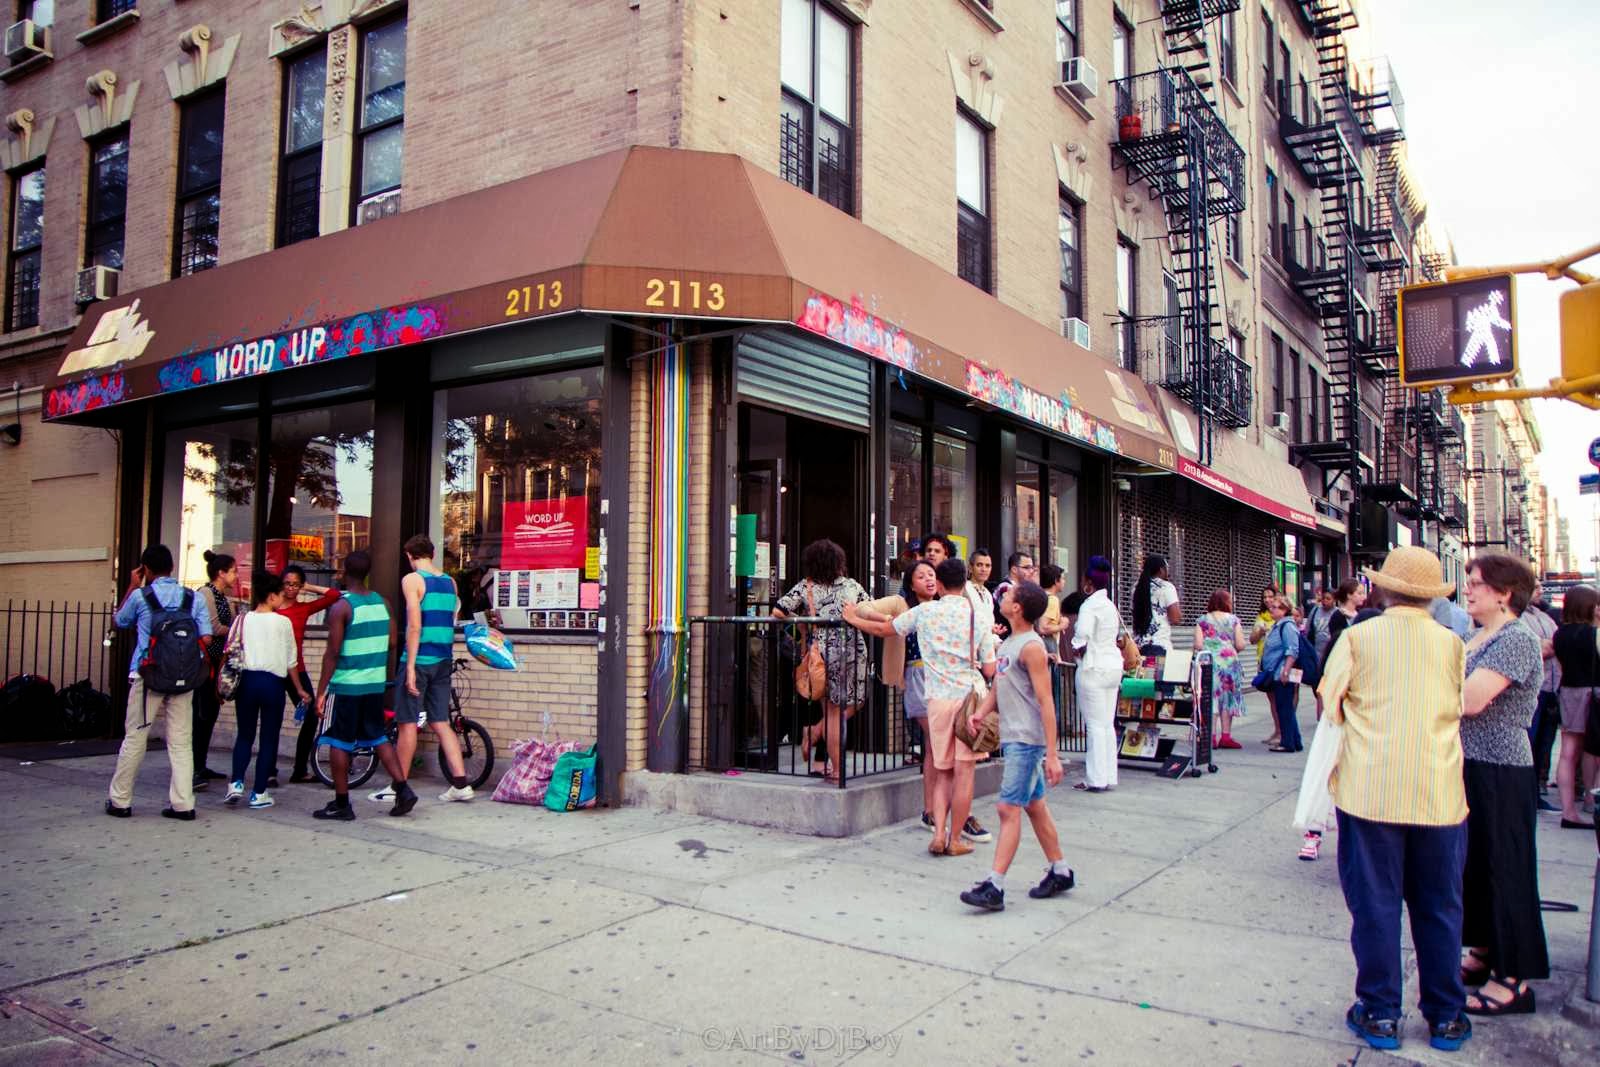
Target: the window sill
pixel 1238 268
pixel 983 15
pixel 1233 91
pixel 32 63
pixel 109 27
pixel 1077 105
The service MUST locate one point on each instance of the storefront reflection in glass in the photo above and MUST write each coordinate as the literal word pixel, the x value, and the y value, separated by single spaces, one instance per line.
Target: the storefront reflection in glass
pixel 319 489
pixel 1063 509
pixel 955 472
pixel 209 496
pixel 1027 504
pixel 905 494
pixel 518 474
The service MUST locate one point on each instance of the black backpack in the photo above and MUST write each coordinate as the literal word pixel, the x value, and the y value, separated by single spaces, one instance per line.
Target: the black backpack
pixel 1305 659
pixel 174 660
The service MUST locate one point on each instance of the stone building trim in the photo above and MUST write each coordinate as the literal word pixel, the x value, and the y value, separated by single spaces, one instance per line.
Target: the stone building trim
pixel 972 76
pixel 313 20
pixel 202 66
pixel 1072 170
pixel 110 108
pixel 30 142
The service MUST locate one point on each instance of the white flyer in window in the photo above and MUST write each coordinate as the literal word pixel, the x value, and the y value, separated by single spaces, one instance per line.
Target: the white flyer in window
pixel 554 589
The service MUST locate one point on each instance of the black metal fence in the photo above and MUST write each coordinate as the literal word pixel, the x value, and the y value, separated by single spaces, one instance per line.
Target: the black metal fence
pixel 751 719
pixel 53 649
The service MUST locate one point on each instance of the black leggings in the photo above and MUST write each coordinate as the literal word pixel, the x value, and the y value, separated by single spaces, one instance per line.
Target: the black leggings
pixel 206 708
pixel 308 734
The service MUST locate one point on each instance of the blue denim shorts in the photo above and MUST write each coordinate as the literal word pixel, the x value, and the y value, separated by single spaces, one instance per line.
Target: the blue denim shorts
pixel 1023 780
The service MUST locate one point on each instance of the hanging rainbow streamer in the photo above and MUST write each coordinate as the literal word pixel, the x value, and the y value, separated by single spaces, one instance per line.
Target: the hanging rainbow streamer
pixel 669 560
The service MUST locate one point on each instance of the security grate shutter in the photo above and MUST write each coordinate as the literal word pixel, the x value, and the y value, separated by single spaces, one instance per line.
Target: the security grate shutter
pixel 807 377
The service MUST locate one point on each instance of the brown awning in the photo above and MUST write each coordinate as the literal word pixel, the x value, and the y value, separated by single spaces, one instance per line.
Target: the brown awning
pixel 1240 469
pixel 642 231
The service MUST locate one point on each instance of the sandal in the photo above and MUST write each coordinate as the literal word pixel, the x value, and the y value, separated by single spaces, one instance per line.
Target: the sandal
pixel 1521 1002
pixel 938 847
pixel 1479 972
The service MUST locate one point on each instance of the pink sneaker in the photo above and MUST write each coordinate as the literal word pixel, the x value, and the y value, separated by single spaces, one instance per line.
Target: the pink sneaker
pixel 1311 847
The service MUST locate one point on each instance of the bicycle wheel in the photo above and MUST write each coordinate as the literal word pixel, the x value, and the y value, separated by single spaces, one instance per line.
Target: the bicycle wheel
pixel 363 762
pixel 477 753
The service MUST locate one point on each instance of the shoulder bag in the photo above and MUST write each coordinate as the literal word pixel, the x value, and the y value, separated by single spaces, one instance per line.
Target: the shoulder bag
pixel 987 736
pixel 232 667
pixel 811 676
pixel 1132 658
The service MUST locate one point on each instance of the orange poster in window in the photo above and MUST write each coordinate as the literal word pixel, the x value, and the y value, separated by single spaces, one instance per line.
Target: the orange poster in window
pixel 545 534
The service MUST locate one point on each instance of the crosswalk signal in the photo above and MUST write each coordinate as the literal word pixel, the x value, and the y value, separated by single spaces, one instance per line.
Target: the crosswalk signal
pixel 1456 333
pixel 1580 333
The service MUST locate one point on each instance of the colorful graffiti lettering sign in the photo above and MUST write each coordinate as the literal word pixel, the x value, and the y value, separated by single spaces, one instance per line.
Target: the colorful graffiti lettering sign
pixel 1056 413
pixel 855 327
pixel 95 391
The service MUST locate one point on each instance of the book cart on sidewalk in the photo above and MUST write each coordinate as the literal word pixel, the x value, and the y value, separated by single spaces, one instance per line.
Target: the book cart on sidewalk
pixel 1164 714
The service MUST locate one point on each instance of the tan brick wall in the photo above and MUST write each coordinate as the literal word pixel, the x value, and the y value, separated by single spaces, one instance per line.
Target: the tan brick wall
pixel 638 642
pixel 702 568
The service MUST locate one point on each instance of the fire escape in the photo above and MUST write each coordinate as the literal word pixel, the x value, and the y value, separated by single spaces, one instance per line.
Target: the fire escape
pixel 1171 138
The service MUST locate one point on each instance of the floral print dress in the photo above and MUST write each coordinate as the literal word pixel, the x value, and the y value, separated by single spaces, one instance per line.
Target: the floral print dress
pixel 1216 637
pixel 843 646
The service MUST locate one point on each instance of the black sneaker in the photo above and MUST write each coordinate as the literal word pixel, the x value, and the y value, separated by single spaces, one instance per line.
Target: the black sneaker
pixel 200 784
pixel 1379 1033
pixel 335 810
pixel 211 776
pixel 972 831
pixel 1452 1035
pixel 405 798
pixel 927 822
pixel 181 816
pixel 272 782
pixel 116 812
pixel 985 895
pixel 1053 883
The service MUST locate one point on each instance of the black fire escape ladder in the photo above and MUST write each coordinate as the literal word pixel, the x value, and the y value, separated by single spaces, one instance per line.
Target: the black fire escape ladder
pixel 1183 24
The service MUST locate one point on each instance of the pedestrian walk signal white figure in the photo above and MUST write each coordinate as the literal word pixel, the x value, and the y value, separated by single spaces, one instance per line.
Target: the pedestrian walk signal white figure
pixel 1481 322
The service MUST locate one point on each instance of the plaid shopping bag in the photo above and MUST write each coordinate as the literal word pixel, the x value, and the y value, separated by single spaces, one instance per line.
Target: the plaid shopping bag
pixel 532 763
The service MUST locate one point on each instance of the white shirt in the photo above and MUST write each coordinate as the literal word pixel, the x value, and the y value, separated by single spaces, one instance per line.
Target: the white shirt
pixel 1095 636
pixel 268 643
pixel 1163 594
pixel 982 600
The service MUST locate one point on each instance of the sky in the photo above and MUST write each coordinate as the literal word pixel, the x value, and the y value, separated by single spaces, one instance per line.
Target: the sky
pixel 1501 122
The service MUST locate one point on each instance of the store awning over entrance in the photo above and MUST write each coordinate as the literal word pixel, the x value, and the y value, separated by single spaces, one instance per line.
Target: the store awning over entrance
pixel 643 231
pixel 1240 470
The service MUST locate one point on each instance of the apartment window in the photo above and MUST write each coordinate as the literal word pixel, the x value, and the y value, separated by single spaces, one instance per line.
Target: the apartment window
pixel 381 131
pixel 1285 76
pixel 1233 237
pixel 1289 256
pixel 1067 43
pixel 106 10
pixel 1277 374
pixel 1121 48
pixel 1273 234
pixel 1305 100
pixel 1071 233
pixel 1236 345
pixel 27 243
pixel 1313 403
pixel 39 12
pixel 1127 302
pixel 1267 34
pixel 1228 49
pixel 199 183
pixel 972 202
pixel 1297 402
pixel 108 202
pixel 300 169
pixel 816 149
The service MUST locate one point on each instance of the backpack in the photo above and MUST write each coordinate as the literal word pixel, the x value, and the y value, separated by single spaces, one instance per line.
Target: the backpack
pixel 175 659
pixel 1306 661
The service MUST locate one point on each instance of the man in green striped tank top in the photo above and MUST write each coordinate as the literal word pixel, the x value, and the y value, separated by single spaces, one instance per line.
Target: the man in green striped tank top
pixel 425 664
pixel 355 671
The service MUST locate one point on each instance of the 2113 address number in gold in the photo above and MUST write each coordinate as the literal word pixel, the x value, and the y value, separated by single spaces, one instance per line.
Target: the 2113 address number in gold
pixel 670 293
pixel 532 298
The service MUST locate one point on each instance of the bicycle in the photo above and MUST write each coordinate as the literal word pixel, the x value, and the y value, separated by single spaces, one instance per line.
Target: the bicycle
pixel 477 749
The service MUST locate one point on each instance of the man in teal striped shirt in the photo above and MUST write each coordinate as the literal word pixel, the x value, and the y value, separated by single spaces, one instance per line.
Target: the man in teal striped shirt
pixel 355 670
pixel 425 664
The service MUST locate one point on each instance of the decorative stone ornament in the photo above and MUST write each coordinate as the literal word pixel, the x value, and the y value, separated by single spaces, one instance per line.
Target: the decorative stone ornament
pixel 31 141
pixel 973 77
pixel 1072 171
pixel 111 105
pixel 206 63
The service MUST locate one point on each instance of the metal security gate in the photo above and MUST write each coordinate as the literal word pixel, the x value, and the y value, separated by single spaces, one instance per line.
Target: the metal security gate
pixel 809 377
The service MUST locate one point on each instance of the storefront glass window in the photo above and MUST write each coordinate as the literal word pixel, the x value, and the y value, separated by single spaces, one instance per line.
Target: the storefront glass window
pixel 319 488
pixel 955 471
pixel 518 471
pixel 905 492
pixel 1064 525
pixel 208 496
pixel 1028 511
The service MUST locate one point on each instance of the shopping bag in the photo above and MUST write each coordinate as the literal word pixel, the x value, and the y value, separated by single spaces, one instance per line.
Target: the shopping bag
pixel 573 783
pixel 532 764
pixel 1314 809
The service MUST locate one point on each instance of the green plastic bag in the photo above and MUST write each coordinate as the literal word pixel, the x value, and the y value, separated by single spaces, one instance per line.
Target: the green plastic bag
pixel 574 781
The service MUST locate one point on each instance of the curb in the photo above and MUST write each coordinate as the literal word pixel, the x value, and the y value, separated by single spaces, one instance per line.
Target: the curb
pixel 1578 1009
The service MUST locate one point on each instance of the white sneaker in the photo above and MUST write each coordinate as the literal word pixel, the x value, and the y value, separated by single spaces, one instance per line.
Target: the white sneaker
pixel 261 800
pixel 464 793
pixel 382 796
pixel 235 793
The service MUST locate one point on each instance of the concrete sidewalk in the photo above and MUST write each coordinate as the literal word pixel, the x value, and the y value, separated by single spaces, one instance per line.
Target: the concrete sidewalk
pixel 489 932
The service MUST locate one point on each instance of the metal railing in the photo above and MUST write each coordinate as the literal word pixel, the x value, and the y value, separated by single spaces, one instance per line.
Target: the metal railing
pixel 746 715
pixel 66 643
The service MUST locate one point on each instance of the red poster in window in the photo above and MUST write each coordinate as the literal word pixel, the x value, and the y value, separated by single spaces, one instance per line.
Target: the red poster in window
pixel 544 534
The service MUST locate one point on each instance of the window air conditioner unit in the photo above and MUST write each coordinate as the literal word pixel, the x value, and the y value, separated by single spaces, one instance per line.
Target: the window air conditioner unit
pixel 96 283
pixel 1076 331
pixel 1080 79
pixel 377 207
pixel 26 39
pixel 1279 421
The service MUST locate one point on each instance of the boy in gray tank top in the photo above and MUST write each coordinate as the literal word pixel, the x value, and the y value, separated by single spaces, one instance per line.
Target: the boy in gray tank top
pixel 1027 711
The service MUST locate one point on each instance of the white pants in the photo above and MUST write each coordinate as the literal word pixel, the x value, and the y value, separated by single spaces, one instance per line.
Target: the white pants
pixel 178 711
pixel 1097 699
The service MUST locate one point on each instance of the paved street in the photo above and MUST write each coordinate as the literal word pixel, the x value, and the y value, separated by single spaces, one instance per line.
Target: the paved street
pixel 486 932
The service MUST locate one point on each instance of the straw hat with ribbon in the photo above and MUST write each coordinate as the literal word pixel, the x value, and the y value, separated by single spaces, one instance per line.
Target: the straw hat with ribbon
pixel 1413 572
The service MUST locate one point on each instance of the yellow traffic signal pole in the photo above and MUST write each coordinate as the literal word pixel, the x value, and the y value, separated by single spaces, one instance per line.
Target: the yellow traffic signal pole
pixel 1583 390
